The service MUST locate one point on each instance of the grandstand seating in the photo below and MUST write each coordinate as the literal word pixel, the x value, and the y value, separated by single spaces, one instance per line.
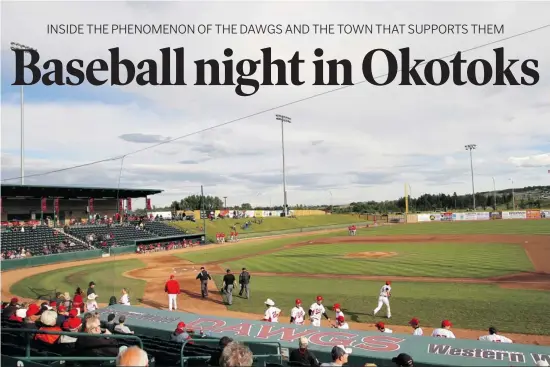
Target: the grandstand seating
pixel 163 229
pixel 163 352
pixel 34 240
pixel 120 233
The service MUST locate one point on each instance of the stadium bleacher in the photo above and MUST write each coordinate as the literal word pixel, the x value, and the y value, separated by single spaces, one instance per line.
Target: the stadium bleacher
pixel 34 239
pixel 163 229
pixel 119 233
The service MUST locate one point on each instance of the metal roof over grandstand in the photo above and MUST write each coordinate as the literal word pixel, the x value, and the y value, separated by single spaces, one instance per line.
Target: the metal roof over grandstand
pixel 38 191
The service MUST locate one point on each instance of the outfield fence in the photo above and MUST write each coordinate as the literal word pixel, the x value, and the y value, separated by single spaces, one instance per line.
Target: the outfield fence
pixel 480 216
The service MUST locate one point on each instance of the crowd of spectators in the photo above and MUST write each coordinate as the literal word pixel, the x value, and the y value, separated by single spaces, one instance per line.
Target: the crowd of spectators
pixel 166 246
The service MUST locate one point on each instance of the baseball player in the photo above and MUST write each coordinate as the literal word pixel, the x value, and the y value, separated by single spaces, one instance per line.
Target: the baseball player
pixel 172 287
pixel 341 323
pixel 297 314
pixel 316 310
pixel 271 313
pixel 494 337
pixel 384 299
pixel 415 324
pixel 338 310
pixel 353 230
pixel 382 328
pixel 444 331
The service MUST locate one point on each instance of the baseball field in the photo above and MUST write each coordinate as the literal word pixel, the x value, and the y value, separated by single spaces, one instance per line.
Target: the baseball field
pixel 476 274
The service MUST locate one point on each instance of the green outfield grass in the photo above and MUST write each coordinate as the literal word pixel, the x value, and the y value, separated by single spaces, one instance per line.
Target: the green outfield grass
pixel 431 260
pixel 527 227
pixel 466 305
pixel 271 224
pixel 107 277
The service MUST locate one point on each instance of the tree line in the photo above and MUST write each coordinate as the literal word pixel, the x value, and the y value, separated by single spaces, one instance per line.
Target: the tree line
pixel 527 197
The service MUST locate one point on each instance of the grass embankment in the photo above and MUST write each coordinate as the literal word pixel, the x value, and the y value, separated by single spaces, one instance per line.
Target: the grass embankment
pixel 452 260
pixel 272 224
pixel 107 277
pixel 468 306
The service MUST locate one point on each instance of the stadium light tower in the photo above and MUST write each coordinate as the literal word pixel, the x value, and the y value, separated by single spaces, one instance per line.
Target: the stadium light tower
pixel 14 46
pixel 284 119
pixel 471 147
pixel 513 195
pixel 225 202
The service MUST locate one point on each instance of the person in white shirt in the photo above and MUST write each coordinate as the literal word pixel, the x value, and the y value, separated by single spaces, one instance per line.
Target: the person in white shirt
pixel 382 328
pixel 341 323
pixel 339 355
pixel 91 304
pixel 124 298
pixel 338 310
pixel 415 324
pixel 494 337
pixel 297 314
pixel 444 331
pixel 316 310
pixel 271 313
pixel 121 328
pixel 384 299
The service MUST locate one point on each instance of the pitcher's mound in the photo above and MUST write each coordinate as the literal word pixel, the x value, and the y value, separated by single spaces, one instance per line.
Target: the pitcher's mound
pixel 370 255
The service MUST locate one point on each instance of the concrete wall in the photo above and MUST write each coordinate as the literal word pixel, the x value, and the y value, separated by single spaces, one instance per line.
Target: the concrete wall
pixel 371 347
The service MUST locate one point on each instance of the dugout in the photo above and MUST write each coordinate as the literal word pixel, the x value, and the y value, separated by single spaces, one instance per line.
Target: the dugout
pixel 33 202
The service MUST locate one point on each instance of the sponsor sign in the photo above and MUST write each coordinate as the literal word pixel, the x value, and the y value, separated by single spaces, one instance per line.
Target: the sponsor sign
pixel 533 214
pixel 483 216
pixel 545 214
pixel 459 216
pixel 520 214
pixel 446 217
pixel 470 216
pixel 496 215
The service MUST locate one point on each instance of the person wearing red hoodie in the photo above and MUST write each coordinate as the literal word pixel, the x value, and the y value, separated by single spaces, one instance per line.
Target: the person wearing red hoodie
pixel 172 287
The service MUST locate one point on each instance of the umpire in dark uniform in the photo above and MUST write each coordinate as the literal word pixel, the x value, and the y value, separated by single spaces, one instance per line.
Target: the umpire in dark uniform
pixel 204 277
pixel 244 281
pixel 228 285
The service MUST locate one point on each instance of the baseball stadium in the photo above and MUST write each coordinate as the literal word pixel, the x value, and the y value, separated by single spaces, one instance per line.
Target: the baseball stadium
pixel 470 271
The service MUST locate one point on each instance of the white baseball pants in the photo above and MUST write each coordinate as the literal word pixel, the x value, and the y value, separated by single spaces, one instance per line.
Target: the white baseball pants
pixel 172 301
pixel 383 301
pixel 316 322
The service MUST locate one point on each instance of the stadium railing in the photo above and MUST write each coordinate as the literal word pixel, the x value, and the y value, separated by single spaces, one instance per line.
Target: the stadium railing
pixel 50 259
pixel 258 358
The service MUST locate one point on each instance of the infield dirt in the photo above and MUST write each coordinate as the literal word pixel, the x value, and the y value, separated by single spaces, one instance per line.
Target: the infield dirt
pixel 160 265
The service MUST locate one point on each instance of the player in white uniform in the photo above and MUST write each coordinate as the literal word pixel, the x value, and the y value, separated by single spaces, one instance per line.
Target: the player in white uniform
pixel 341 323
pixel 338 310
pixel 297 314
pixel 271 313
pixel 316 310
pixel 382 328
pixel 384 299
pixel 494 337
pixel 417 330
pixel 444 331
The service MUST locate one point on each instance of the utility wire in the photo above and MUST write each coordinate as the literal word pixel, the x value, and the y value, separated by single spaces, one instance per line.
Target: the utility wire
pixel 264 111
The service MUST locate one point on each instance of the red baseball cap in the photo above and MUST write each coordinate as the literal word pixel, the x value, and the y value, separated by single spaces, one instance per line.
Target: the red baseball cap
pixel 414 321
pixel 181 325
pixel 298 301
pixel 172 276
pixel 62 308
pixel 73 312
pixel 73 323
pixel 380 325
pixel 336 306
pixel 340 318
pixel 388 282
pixel 446 323
pixel 319 298
pixel 53 304
pixel 33 309
pixel 14 300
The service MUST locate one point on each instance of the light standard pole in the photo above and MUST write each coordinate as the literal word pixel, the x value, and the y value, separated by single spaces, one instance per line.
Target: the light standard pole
pixel 494 193
pixel 330 192
pixel 225 202
pixel 513 195
pixel 284 119
pixel 14 46
pixel 410 194
pixel 471 147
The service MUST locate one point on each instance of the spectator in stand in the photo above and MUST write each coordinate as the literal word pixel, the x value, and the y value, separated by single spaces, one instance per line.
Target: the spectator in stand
pixel 112 301
pixel 48 321
pixel 32 315
pixel 132 357
pixel 124 298
pixel 236 355
pixel 339 356
pixel 215 357
pixel 302 356
pixel 403 360
pixel 91 288
pixel 67 300
pixel 91 304
pixel 172 288
pixel 19 315
pixel 111 322
pixel 11 308
pixel 180 335
pixel 89 346
pixel 72 325
pixel 121 328
pixel 62 315
pixel 78 301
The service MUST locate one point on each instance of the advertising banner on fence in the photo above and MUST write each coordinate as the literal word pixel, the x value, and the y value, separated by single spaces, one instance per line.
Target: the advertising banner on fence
pixel 470 216
pixel 483 216
pixel 545 214
pixel 496 215
pixel 533 214
pixel 446 217
pixel 459 216
pixel 520 214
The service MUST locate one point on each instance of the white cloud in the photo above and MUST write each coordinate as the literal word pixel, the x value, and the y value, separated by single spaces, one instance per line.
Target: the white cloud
pixel 360 143
pixel 540 160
